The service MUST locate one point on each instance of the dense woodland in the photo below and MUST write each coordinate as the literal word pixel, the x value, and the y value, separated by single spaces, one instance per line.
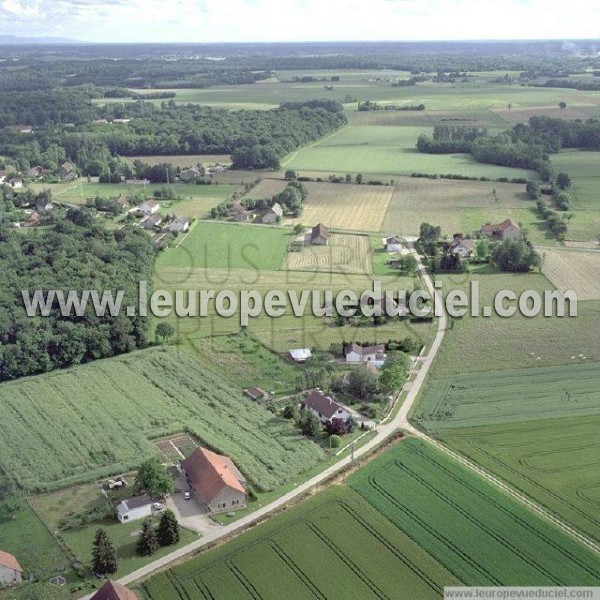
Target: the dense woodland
pixel 69 256
pixel 255 139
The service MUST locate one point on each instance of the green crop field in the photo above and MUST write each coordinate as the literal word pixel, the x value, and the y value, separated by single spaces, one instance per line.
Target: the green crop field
pixel 229 246
pixel 556 462
pixel 388 151
pixel 583 167
pixel 490 343
pixel 513 395
pixel 480 535
pixel 95 420
pixel 323 548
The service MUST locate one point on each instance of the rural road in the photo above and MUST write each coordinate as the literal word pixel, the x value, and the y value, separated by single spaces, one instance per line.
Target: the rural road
pixel 384 431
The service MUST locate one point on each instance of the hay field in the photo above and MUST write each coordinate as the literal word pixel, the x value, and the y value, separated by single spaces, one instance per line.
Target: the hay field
pixel 574 270
pixel 346 206
pixel 343 254
pixel 267 188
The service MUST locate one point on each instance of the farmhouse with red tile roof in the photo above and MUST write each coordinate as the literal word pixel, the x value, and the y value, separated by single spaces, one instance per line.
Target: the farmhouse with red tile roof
pixel 506 230
pixel 11 572
pixel 215 481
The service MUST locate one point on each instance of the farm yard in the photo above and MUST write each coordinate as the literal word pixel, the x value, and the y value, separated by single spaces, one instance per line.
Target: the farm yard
pixel 479 534
pixel 294 555
pixel 97 420
pixel 343 254
pixel 573 270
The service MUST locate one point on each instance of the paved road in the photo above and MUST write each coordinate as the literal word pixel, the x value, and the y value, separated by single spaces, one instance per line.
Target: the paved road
pixel 400 421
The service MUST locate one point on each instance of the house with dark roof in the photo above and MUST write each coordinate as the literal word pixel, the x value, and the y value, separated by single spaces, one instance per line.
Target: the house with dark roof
pixel 393 245
pixel 191 174
pixel 111 590
pixel 11 572
pixel 317 236
pixel 138 507
pixel 215 482
pixel 506 230
pixel 238 213
pixel 149 207
pixel 325 407
pixel 272 215
pixel 461 246
pixel 179 224
pixel 152 221
pixel 256 394
pixel 354 353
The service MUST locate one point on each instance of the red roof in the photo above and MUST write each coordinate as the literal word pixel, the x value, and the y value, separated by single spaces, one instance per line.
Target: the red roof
pixel 209 473
pixel 9 561
pixel 112 590
pixel 324 405
pixel 500 226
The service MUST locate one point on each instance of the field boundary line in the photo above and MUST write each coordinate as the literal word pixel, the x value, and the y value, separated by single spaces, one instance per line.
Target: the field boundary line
pixel 509 490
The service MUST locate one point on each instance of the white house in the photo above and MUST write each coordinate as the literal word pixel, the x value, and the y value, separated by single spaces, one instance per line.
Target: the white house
pixel 15 183
pixel 138 507
pixel 179 224
pixel 11 572
pixel 361 354
pixel 149 207
pixel 462 247
pixel 301 355
pixel 393 245
pixel 326 408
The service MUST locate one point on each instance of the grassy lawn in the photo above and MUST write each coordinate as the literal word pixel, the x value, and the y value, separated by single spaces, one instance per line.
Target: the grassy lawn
pixel 124 537
pixel 229 246
pixel 25 536
pixel 77 192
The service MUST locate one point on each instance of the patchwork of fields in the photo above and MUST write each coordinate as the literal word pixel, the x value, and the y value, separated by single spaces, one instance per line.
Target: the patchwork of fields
pixel 429 522
pixel 96 420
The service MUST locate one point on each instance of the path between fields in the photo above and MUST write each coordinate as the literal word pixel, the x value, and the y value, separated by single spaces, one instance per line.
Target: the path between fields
pixel 400 421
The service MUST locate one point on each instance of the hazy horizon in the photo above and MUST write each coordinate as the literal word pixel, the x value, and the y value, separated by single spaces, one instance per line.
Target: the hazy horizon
pixel 262 21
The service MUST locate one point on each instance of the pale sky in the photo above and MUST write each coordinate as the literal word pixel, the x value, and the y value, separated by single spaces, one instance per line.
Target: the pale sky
pixel 300 20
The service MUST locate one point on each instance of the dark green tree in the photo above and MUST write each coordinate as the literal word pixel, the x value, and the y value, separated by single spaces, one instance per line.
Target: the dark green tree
pixel 153 478
pixel 104 555
pixel 147 543
pixel 168 529
pixel 515 255
pixel 164 331
pixel 563 181
pixel 310 424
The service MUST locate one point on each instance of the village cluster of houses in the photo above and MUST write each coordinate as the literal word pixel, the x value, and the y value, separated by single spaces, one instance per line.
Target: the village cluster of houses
pixel 152 219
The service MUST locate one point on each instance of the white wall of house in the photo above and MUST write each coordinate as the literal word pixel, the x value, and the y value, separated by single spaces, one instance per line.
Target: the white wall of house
pixel 9 576
pixel 177 225
pixel 149 210
pixel 394 248
pixel 134 514
pixel 355 357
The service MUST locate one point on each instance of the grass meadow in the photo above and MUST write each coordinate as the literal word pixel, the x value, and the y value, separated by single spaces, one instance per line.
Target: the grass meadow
pixel 388 151
pixel 229 246
pixel 97 420
pixel 573 270
pixel 491 343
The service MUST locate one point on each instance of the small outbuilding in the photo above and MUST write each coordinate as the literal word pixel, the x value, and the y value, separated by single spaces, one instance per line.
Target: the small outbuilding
pixel 132 509
pixel 11 572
